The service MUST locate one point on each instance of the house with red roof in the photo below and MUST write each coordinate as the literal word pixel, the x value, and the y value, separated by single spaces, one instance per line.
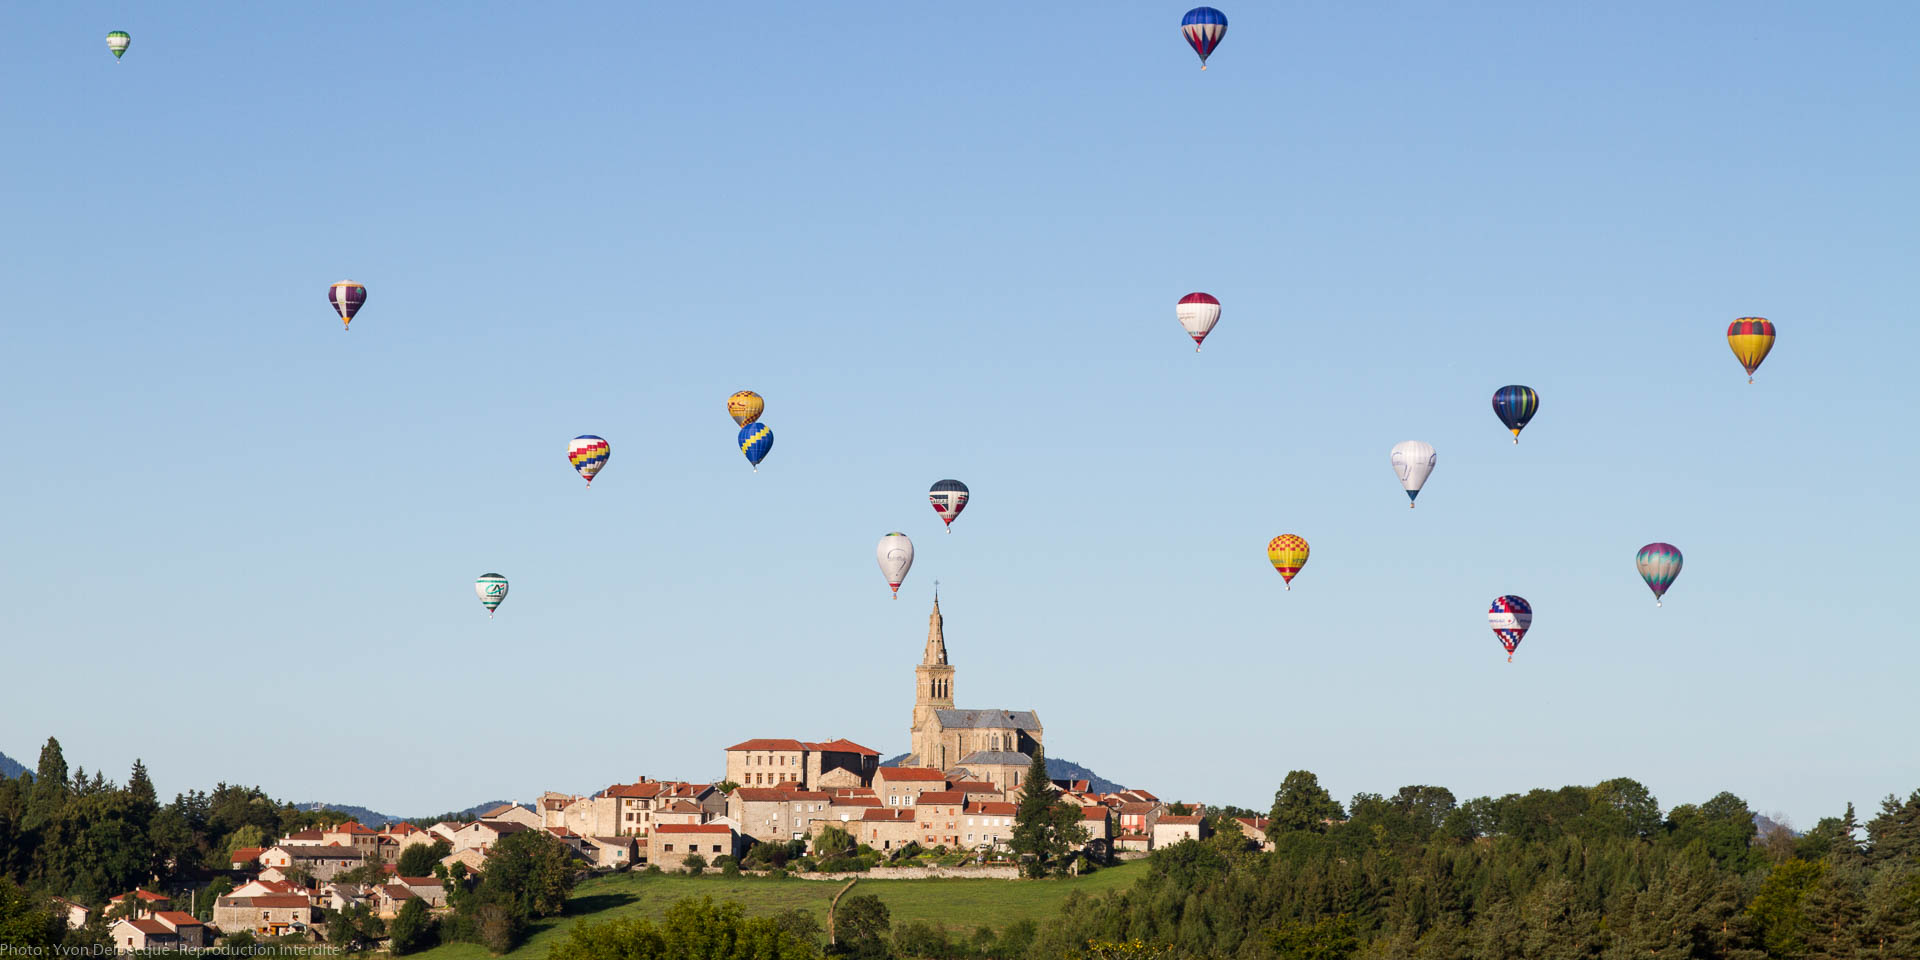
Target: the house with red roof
pixel 672 843
pixel 806 765
pixel 901 786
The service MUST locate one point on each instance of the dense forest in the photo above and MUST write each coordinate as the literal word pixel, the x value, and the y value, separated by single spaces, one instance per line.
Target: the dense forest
pixel 1571 874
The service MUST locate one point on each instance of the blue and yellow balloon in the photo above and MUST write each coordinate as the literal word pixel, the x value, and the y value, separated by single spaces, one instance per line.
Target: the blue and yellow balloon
pixel 755 440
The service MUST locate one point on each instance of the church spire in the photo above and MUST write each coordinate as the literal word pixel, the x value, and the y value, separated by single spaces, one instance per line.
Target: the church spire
pixel 936 639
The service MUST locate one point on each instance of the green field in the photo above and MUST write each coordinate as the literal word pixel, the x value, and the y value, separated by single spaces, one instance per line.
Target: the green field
pixel 959 905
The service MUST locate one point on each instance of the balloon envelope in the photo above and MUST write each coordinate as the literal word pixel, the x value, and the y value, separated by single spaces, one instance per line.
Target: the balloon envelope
pixel 1515 405
pixel 1204 28
pixel 588 454
pixel 492 588
pixel 1658 564
pixel 895 554
pixel 118 41
pixel 745 407
pixel 1509 616
pixel 755 440
pixel 347 298
pixel 1288 552
pixel 1751 339
pixel 948 497
pixel 1197 313
pixel 1412 462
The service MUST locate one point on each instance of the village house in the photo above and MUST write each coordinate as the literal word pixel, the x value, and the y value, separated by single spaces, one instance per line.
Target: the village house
pixel 269 916
pixel 937 813
pixel 674 842
pixel 1002 768
pixel 989 824
pixel 1255 830
pixel 514 813
pixel 631 809
pixel 351 834
pixel 341 896
pixel 405 835
pixel 322 863
pixel 483 834
pixel 261 887
pixel 681 812
pixel 611 851
pixel 444 830
pixel 165 931
pixel 429 889
pixel 1169 829
pixel 766 762
pixel 149 901
pixel 1098 822
pixel 776 815
pixel 76 915
pixel 885 829
pixel 246 858
pixel 389 898
pixel 902 786
pixel 471 859
pixel 1137 818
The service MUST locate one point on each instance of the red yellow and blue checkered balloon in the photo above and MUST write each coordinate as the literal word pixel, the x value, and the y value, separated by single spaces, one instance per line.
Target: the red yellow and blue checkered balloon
pixel 588 454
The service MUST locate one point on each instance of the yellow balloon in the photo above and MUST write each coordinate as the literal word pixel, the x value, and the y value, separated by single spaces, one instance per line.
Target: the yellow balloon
pixel 745 407
pixel 1288 553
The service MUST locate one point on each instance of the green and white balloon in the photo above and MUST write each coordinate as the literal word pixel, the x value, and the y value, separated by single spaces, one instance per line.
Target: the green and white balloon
pixel 492 589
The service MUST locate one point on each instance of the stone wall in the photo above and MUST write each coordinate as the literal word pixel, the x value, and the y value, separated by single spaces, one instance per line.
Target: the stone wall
pixel 971 872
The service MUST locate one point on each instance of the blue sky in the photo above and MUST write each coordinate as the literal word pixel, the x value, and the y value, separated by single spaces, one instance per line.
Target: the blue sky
pixel 947 243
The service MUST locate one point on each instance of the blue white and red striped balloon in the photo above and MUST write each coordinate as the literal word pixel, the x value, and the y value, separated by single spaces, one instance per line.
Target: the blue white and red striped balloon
pixel 1204 28
pixel 588 454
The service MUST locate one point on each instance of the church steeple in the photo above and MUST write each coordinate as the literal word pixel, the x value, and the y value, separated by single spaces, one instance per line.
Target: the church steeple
pixel 936 652
pixel 932 691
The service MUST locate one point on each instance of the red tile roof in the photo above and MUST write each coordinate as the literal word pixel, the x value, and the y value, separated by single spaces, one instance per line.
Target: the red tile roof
pixel 975 786
pixel 307 835
pixel 885 814
pixel 395 891
pixel 764 743
pixel 842 745
pixel 176 918
pixel 941 796
pixel 150 926
pixel 996 808
pixel 634 791
pixel 1257 823
pixel 420 881
pixel 692 828
pixel 246 855
pixel 1093 812
pixel 402 829
pixel 856 801
pixel 902 774
pixel 276 900
pixel 143 895
pixel 1136 807
pixel 350 827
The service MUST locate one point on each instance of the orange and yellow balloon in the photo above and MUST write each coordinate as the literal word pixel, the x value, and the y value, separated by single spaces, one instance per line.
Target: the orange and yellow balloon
pixel 1288 553
pixel 745 407
pixel 1750 338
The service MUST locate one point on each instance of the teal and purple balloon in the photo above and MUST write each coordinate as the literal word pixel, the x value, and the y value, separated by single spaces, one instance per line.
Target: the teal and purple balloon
pixel 1515 405
pixel 1659 564
pixel 755 440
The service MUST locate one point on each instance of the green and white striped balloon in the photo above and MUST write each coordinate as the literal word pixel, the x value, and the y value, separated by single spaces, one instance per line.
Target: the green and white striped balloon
pixel 117 41
pixel 492 589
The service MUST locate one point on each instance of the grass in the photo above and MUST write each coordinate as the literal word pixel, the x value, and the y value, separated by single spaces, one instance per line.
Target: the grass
pixel 959 905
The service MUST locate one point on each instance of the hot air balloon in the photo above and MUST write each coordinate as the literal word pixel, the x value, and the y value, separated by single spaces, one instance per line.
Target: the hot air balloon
pixel 1509 617
pixel 118 41
pixel 1204 28
pixel 347 298
pixel 948 497
pixel 895 554
pixel 1197 312
pixel 492 589
pixel 1751 338
pixel 1288 553
pixel 1412 461
pixel 1515 405
pixel 755 440
pixel 588 454
pixel 745 407
pixel 1658 563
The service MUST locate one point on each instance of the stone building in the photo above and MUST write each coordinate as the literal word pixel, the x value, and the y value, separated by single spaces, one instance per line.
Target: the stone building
pixel 943 736
pixel 801 765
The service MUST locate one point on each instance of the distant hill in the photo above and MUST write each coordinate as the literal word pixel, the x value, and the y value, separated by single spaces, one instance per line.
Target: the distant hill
pixel 9 768
pixel 374 818
pixel 1057 769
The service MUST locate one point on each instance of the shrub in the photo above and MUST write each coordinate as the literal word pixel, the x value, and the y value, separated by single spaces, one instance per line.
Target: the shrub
pixel 695 864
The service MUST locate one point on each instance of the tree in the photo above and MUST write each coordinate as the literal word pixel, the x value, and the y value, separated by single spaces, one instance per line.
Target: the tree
pixel 861 924
pixel 1179 809
pixel 353 929
pixel 692 927
pixel 1045 827
pixel 532 871
pixel 1779 909
pixel 49 787
pixel 695 864
pixel 1896 831
pixel 25 922
pixel 412 928
pixel 832 843
pixel 799 924
pixel 419 859
pixel 1301 804
pixel 1329 938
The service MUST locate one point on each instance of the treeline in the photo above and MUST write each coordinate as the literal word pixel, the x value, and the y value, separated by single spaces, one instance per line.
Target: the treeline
pixel 88 838
pixel 1579 873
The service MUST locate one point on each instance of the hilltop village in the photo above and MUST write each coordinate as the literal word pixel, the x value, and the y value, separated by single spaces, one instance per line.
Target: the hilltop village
pixel 956 792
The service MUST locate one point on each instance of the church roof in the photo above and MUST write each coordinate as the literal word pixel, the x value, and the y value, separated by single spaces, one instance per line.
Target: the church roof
pixel 1004 757
pixel 988 720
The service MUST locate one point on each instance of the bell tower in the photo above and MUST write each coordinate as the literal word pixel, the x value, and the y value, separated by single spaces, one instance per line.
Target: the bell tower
pixel 933 690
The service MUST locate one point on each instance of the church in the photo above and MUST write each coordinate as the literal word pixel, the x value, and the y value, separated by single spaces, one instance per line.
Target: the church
pixel 990 745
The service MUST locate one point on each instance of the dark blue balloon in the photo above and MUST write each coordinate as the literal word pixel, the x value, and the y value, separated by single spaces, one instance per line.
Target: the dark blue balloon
pixel 755 440
pixel 1515 405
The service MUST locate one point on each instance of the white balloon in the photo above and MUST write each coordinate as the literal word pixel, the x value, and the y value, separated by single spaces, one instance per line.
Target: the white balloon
pixel 1197 313
pixel 895 554
pixel 1412 462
